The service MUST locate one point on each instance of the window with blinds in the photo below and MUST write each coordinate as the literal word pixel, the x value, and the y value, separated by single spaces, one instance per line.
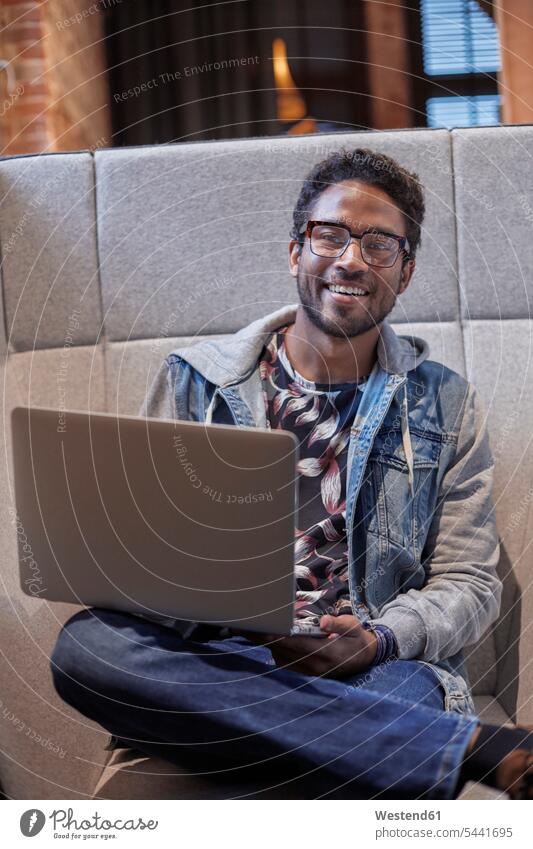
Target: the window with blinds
pixel 461 58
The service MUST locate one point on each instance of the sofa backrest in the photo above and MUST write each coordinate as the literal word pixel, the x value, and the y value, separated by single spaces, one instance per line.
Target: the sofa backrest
pixel 110 259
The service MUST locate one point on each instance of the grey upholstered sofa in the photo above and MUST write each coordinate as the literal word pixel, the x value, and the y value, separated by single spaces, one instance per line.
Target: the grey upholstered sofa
pixel 110 259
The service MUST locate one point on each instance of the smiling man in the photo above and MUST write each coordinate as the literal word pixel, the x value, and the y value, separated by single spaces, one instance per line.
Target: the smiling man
pixel 396 548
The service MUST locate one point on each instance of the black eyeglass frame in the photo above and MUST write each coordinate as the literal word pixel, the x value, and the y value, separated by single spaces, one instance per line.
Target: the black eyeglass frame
pixel 403 242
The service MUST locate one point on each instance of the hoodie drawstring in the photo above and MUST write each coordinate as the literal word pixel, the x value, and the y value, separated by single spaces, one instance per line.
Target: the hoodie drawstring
pixel 406 441
pixel 210 409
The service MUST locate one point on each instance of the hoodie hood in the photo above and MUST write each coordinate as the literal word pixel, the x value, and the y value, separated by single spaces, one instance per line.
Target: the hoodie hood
pixel 230 360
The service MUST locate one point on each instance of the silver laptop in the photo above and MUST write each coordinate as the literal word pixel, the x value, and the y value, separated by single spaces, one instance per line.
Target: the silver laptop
pixel 162 518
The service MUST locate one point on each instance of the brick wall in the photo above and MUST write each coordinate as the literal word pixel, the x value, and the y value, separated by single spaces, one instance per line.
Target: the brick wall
pixel 23 91
pixel 53 92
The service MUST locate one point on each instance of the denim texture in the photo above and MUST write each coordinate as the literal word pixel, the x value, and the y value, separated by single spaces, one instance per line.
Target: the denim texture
pixel 223 705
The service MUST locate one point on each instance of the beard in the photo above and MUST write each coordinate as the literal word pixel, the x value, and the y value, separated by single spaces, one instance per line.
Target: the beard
pixel 346 323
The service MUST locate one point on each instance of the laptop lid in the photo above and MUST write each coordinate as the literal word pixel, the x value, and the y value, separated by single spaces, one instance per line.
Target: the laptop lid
pixel 158 517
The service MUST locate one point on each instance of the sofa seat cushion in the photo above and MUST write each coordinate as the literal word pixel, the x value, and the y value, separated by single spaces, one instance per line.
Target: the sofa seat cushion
pixel 129 774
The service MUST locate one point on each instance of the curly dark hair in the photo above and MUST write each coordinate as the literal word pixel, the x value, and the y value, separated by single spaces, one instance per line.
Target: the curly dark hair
pixel 375 169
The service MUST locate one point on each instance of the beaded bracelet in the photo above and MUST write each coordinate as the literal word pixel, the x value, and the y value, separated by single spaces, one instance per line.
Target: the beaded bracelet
pixel 387 644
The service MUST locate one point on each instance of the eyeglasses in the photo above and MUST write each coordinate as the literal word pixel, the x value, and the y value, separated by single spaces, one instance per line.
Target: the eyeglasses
pixel 377 247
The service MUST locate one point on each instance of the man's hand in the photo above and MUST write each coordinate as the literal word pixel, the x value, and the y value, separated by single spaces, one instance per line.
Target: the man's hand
pixel 347 648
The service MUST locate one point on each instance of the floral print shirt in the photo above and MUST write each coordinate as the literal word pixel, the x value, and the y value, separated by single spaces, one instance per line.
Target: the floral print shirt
pixel 320 415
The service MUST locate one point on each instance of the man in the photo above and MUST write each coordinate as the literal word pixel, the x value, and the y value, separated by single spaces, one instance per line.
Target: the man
pixel 396 548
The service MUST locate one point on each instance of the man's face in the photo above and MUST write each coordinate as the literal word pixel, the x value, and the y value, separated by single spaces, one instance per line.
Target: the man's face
pixel 359 207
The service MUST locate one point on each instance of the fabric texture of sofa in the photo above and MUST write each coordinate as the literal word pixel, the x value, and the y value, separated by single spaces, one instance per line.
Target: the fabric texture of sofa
pixel 111 259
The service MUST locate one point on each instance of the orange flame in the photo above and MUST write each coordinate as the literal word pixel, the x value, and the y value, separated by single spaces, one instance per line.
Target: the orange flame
pixel 290 105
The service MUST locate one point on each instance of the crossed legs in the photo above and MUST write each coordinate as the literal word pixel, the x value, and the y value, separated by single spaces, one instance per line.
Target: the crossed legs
pixel 226 705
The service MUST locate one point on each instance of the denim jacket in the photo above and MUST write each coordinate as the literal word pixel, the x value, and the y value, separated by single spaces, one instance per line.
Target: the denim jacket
pixel 422 542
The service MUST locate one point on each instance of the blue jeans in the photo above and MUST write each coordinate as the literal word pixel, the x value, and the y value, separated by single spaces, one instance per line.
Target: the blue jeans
pixel 224 701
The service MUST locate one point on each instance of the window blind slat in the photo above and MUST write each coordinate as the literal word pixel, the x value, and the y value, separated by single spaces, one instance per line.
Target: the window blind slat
pixel 449 112
pixel 458 37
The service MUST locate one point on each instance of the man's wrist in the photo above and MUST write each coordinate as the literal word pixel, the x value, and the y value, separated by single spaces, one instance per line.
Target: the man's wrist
pixel 387 646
